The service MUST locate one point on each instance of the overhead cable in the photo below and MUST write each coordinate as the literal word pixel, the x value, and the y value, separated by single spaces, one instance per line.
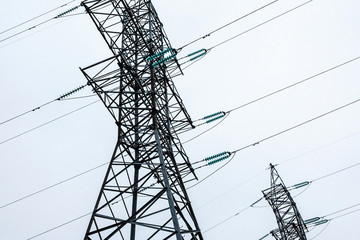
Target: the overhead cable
pixel 232 153
pixel 52 186
pixel 259 25
pixel 226 25
pixel 11 28
pixel 46 123
pixel 62 97
pixel 41 23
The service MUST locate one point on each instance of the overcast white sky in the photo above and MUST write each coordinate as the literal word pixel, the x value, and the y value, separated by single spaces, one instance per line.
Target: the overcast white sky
pixel 41 65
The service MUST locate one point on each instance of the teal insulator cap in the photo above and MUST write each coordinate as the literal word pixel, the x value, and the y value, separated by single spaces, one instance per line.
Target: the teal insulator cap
pixel 212 115
pixel 214 119
pixel 201 50
pixel 321 222
pixel 303 184
pixel 311 220
pixel 196 57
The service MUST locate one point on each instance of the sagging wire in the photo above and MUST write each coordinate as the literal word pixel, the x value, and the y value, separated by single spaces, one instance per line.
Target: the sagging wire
pixel 61 15
pixel 11 28
pixel 62 97
pixel 259 25
pixel 225 114
pixel 46 123
pixel 202 52
pixel 232 153
pixel 226 25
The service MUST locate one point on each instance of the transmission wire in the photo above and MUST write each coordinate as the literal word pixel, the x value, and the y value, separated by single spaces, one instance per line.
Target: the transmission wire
pixel 227 219
pixel 52 186
pixel 24 113
pixel 269 137
pixel 263 23
pixel 62 97
pixel 298 125
pixel 36 17
pixel 226 25
pixel 336 172
pixel 30 28
pixel 59 226
pixel 46 123
pixel 296 83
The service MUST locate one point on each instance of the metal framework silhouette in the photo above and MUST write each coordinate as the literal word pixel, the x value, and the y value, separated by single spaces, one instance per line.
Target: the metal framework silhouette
pixel 143 195
pixel 290 223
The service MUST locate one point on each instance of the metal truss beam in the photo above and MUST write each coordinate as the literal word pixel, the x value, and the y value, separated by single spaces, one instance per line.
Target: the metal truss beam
pixel 290 223
pixel 143 195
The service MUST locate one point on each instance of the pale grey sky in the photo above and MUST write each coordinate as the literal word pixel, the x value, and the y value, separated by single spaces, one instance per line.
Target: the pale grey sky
pixel 44 63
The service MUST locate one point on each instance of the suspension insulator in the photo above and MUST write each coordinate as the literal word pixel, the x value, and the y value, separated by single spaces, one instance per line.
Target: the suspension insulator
pixel 321 222
pixel 164 60
pixel 194 53
pixel 196 57
pixel 311 220
pixel 71 92
pixel 215 156
pixel 300 185
pixel 216 118
pixel 212 115
pixel 67 12
pixel 155 56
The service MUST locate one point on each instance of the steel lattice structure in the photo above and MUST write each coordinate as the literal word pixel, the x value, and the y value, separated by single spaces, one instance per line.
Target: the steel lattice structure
pixel 143 195
pixel 290 223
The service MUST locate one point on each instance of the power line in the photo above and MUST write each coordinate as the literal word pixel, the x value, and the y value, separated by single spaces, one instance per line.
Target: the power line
pixel 59 226
pixel 318 148
pixel 328 220
pixel 52 186
pixel 342 210
pixel 46 123
pixel 41 23
pixel 298 125
pixel 234 109
pixel 232 153
pixel 290 86
pixel 296 83
pixel 62 97
pixel 259 25
pixel 226 25
pixel 11 28
pixel 218 224
pixel 336 172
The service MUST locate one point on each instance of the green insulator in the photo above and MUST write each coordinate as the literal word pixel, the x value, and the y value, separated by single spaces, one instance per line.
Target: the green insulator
pixel 192 54
pixel 215 156
pixel 67 12
pixel 196 57
pixel 214 119
pixel 212 115
pixel 321 222
pixel 311 220
pixel 71 92
pixel 218 160
pixel 300 185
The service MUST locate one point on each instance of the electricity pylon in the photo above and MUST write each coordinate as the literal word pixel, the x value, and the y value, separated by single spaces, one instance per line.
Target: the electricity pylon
pixel 290 223
pixel 143 195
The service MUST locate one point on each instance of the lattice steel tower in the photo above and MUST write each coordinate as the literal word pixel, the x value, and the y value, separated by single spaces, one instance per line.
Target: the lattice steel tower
pixel 143 194
pixel 290 223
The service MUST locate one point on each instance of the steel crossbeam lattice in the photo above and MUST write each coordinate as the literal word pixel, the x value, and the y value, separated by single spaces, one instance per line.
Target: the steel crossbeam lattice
pixel 290 223
pixel 143 195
